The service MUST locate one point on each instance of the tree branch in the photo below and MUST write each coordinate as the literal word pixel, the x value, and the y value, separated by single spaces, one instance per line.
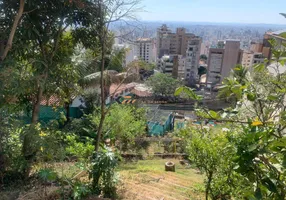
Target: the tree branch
pixel 13 30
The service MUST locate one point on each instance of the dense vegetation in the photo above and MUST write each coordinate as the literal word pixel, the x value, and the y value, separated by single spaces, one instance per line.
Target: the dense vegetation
pixel 244 157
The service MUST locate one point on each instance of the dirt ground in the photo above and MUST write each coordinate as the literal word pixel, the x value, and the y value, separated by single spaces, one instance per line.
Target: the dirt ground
pixel 147 180
pixel 141 180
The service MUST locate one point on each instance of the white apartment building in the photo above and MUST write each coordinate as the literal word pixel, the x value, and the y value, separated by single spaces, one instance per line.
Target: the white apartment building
pixel 146 50
pixel 166 64
pixel 192 59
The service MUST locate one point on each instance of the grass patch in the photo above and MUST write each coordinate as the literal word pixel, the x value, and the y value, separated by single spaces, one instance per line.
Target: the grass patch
pixel 147 179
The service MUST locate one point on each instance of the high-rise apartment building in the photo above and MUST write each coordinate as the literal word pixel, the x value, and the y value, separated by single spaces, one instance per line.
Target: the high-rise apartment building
pixel 145 49
pixel 222 60
pixel 192 60
pixel 169 43
pixel 181 67
pixel 163 41
pixel 215 60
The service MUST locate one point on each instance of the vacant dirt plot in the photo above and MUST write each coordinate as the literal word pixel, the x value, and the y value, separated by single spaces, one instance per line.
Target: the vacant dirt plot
pixel 147 180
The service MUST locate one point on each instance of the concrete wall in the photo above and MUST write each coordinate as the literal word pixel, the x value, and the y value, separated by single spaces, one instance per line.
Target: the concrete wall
pixel 231 57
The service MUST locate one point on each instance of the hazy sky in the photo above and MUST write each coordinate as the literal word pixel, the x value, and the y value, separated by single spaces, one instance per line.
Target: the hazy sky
pixel 241 11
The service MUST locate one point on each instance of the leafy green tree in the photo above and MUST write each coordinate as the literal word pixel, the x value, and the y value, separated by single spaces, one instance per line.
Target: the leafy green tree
pixel 108 12
pixel 163 84
pixel 123 124
pixel 202 71
pixel 203 57
pixel 116 61
pixel 41 61
pixel 211 151
pixel 42 49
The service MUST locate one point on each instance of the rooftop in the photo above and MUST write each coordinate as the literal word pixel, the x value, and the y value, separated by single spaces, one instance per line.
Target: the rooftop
pixel 278 34
pixel 144 40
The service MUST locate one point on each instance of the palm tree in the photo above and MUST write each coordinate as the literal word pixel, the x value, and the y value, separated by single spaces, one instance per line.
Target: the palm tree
pixel 92 81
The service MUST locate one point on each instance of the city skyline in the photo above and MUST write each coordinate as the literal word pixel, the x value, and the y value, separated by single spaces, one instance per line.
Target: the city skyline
pixel 209 11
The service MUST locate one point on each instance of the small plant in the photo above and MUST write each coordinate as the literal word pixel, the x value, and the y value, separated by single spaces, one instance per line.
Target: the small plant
pixel 80 190
pixel 47 175
pixel 103 175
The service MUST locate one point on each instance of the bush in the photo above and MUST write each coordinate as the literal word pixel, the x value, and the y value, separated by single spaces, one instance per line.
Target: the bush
pixel 81 149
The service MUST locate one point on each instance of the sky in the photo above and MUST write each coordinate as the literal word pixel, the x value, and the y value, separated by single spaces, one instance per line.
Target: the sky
pixel 229 11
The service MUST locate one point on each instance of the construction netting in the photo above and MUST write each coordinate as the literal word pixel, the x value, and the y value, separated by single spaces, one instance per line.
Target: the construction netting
pixel 48 113
pixel 159 121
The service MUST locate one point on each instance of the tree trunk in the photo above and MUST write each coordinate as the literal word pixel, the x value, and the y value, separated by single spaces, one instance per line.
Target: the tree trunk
pixel 102 85
pixel 102 95
pixel 67 107
pixel 208 186
pixel 36 106
pixel 2 157
pixel 28 150
pixel 13 30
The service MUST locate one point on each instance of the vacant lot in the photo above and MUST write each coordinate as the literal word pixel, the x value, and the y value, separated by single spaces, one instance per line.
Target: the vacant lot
pixel 147 179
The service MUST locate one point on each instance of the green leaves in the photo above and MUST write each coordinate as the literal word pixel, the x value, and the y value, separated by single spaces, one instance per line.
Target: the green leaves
pixel 258 194
pixel 259 67
pixel 47 174
pixel 163 84
pixel 213 114
pixel 213 154
pixel 269 185
pixel 273 97
pixel 189 92
pixel 251 96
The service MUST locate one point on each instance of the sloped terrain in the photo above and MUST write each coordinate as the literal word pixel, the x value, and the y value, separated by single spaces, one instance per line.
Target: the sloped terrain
pixel 148 180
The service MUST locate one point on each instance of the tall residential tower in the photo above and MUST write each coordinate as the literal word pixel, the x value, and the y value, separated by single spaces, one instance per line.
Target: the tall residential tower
pixel 222 60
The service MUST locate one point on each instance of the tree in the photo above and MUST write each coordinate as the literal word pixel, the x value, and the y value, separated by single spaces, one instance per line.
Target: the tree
pixel 39 50
pixel 108 12
pixel 210 150
pixel 42 62
pixel 202 70
pixel 123 124
pixel 116 61
pixel 204 57
pixel 163 84
pixel 231 88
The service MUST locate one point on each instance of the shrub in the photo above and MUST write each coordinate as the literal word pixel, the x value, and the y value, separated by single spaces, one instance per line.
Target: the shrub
pixel 81 149
pixel 103 175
